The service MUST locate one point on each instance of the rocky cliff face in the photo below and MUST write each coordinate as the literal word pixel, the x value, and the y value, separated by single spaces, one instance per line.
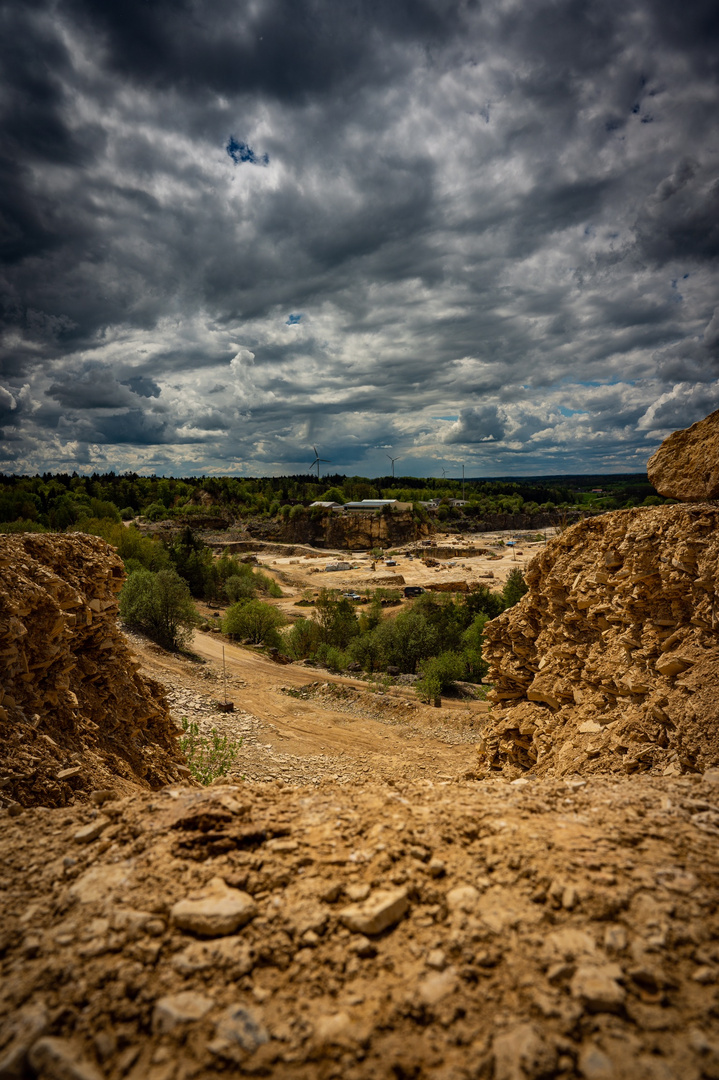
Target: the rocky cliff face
pixel 611 661
pixel 74 712
pixel 347 531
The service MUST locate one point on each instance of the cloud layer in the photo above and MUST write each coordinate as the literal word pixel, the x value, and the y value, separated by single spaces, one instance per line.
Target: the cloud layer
pixel 480 234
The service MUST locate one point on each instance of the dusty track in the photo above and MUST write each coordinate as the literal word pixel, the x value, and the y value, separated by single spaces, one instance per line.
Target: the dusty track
pixel 387 734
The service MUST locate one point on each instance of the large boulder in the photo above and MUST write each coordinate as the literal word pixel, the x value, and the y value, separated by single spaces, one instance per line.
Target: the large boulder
pixel 686 465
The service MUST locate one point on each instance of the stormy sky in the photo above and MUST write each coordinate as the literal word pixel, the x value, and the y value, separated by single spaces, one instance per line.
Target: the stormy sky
pixel 453 231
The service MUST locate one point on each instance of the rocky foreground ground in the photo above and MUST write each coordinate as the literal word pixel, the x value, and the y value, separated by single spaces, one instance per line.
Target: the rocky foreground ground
pixel 541 928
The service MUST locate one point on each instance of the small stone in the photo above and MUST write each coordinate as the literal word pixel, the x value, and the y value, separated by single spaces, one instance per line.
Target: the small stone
pixel 615 938
pixel 240 1026
pixel 91 832
pixel 589 727
pixel 436 959
pixel 462 898
pixel 557 973
pixel 436 868
pixel 379 912
pixel 67 774
pixel 522 1054
pixel 363 947
pixel 59 1059
pixel 218 911
pixel 99 881
pixel 103 795
pixel 595 1065
pixel 711 776
pixel 704 975
pixel 331 891
pixel 176 1009
pixel 437 986
pixel 282 846
pixel 357 890
pixel 569 898
pixel 14 809
pixel 597 987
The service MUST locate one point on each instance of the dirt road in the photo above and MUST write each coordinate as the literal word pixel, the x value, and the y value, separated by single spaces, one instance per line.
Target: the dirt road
pixel 304 724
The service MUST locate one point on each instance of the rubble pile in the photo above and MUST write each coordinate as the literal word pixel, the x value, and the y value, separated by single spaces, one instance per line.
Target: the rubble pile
pixel 537 929
pixel 74 712
pixel 610 663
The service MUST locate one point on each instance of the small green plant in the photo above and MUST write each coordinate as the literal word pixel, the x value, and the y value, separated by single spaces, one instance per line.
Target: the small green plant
pixel 207 756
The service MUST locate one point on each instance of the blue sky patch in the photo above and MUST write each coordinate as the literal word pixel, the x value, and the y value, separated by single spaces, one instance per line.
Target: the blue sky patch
pixel 293 320
pixel 241 153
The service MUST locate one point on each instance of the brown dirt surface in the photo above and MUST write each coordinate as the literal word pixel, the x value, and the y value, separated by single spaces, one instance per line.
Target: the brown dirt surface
pixel 610 663
pixel 465 930
pixel 75 715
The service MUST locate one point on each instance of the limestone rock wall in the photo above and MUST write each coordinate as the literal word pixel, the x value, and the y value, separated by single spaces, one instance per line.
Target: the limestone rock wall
pixel 611 661
pixel 74 712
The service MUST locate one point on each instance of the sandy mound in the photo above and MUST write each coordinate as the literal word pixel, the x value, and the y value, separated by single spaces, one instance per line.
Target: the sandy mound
pixel 74 713
pixel 611 661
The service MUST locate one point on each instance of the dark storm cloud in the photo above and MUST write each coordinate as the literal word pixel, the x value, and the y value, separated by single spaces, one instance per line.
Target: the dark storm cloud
pixel 504 213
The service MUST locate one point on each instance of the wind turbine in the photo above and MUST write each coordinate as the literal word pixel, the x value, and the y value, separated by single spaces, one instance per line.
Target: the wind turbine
pixel 393 459
pixel 317 461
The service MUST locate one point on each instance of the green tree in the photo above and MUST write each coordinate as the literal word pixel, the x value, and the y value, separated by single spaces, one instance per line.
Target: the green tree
pixel 337 620
pixel 472 641
pixel 254 621
pixel 160 606
pixel 514 589
pixel 303 639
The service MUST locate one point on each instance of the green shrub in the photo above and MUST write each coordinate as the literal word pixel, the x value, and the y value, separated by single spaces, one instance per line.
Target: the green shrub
pixel 332 658
pixel 254 621
pixel 207 756
pixel 160 606
pixel 428 688
pixel 439 671
pixel 267 585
